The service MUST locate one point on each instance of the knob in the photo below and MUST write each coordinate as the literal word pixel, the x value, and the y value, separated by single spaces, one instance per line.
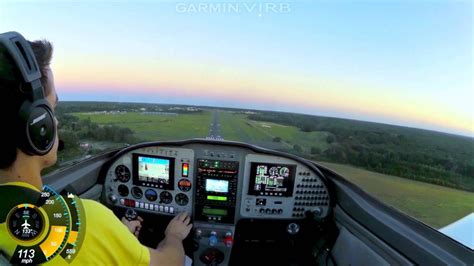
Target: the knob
pixel 293 228
pixel 228 240
pixel 318 211
pixel 262 210
pixel 198 234
pixel 268 211
pixel 280 211
pixel 274 211
pixel 113 198
pixel 213 239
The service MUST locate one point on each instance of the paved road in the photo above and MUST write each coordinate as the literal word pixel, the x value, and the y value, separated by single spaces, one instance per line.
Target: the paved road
pixel 215 127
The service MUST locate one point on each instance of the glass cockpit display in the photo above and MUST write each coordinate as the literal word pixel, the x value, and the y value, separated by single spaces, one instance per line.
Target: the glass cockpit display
pixel 216 190
pixel 153 171
pixel 217 185
pixel 268 179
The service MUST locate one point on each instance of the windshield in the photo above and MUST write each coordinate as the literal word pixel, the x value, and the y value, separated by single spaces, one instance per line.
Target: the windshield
pixel 380 92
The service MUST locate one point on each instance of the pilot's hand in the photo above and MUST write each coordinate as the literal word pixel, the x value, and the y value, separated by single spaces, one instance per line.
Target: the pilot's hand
pixel 134 226
pixel 179 226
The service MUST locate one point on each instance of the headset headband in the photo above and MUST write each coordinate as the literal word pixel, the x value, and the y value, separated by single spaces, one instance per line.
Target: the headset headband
pixel 22 54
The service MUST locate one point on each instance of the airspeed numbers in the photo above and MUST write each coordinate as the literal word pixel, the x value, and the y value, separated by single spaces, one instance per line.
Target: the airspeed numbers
pixel 26 253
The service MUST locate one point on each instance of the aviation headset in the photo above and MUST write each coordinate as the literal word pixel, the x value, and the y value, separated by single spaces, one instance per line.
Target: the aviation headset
pixel 36 128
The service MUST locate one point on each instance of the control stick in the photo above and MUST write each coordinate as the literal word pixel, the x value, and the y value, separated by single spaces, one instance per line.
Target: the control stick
pixel 293 228
pixel 131 214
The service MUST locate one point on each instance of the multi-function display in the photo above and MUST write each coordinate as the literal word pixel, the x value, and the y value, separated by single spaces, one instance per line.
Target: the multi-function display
pixel 268 179
pixel 216 190
pixel 217 185
pixel 153 171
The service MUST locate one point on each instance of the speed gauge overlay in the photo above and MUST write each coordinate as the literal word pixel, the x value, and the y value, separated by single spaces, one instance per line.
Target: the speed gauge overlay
pixel 38 227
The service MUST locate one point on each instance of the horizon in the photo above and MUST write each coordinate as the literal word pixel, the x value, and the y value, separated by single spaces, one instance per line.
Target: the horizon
pixel 263 110
pixel 405 63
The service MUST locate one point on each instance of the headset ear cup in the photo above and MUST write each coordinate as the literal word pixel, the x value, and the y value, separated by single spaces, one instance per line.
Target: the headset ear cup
pixel 37 128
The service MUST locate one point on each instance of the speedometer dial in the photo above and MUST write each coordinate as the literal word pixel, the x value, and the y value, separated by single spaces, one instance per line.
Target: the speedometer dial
pixel 42 225
pixel 137 192
pixel 123 190
pixel 181 199
pixel 122 173
pixel 166 197
pixel 26 222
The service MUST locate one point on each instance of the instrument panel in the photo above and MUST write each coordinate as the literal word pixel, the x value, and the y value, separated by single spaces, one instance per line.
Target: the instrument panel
pixel 217 183
pixel 155 179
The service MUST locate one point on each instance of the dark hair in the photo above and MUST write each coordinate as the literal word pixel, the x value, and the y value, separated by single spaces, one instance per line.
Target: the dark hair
pixel 11 98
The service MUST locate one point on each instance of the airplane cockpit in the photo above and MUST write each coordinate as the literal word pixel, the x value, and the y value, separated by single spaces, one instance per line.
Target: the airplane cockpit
pixel 254 206
pixel 242 199
pixel 307 148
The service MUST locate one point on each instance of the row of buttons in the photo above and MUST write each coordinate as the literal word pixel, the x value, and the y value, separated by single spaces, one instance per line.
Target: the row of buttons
pixel 310 180
pixel 271 211
pixel 162 152
pixel 218 155
pixel 151 185
pixel 310 192
pixel 312 198
pixel 311 203
pixel 271 194
pixel 309 186
pixel 304 173
pixel 146 206
pixel 205 174
pixel 297 215
pixel 214 218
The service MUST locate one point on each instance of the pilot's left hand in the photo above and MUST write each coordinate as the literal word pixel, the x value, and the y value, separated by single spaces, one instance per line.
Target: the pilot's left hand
pixel 134 225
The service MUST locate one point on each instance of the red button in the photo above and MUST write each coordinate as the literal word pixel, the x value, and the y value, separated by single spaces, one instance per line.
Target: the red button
pixel 228 241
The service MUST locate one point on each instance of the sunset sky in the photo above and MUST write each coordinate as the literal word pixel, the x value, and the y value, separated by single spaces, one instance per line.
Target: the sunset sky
pixel 398 62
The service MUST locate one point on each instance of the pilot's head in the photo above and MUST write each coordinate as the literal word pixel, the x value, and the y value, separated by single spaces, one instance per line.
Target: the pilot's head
pixel 10 101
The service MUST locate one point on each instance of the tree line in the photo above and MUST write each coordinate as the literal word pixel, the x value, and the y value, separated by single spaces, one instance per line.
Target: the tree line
pixel 72 129
pixel 423 155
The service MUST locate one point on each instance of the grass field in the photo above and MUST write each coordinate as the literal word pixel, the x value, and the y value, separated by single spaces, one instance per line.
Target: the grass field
pixel 432 204
pixel 238 127
pixel 151 127
pixel 435 205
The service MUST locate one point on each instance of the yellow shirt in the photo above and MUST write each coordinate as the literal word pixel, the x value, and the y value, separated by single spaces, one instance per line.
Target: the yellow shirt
pixel 107 241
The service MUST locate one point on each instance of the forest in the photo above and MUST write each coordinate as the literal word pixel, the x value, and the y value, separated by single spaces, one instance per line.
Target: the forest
pixel 423 155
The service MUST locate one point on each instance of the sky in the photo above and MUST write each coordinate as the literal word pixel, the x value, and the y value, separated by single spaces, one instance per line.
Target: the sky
pixel 398 62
